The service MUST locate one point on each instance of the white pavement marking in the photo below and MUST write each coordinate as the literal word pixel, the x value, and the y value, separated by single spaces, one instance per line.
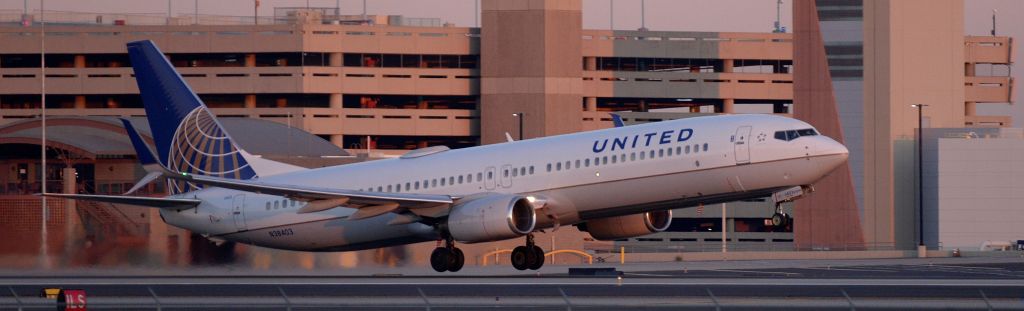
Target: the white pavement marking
pixel 857 269
pixel 760 272
pixel 965 270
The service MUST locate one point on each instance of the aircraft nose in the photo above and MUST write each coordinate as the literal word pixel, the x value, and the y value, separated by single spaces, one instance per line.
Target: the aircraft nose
pixel 832 147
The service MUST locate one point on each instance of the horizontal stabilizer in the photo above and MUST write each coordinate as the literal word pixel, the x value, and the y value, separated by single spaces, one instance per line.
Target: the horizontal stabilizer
pixel 119 199
pixel 150 177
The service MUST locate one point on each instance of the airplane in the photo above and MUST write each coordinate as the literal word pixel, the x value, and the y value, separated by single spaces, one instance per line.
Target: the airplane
pixel 612 183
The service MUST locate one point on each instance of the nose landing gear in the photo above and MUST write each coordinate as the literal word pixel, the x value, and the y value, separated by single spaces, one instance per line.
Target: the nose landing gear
pixel 529 256
pixel 447 258
pixel 780 219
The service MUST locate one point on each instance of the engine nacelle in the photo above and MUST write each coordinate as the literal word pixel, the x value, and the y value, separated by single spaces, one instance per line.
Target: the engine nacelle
pixel 628 226
pixel 491 217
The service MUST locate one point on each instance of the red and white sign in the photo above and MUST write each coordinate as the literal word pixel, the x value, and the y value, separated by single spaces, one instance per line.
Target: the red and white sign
pixel 74 299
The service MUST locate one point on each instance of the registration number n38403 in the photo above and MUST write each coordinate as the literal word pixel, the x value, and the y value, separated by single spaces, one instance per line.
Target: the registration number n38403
pixel 281 232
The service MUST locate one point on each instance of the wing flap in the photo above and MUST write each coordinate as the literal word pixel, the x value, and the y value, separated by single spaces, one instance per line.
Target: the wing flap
pixel 168 203
pixel 373 211
pixel 322 205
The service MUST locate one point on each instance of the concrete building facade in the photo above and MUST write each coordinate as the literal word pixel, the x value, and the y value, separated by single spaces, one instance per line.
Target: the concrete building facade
pixel 864 64
pixel 392 88
pixel 974 183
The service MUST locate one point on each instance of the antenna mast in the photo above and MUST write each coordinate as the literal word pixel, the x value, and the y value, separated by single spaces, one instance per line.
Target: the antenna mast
pixel 778 17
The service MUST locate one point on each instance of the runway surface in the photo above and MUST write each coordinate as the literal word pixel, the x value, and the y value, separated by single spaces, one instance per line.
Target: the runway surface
pixel 859 284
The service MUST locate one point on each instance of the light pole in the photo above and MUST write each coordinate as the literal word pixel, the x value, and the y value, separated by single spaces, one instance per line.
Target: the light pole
pixel 42 78
pixel 520 116
pixel 920 176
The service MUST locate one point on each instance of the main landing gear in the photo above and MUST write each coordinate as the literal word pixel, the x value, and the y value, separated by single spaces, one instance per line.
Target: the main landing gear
pixel 780 219
pixel 447 257
pixel 529 256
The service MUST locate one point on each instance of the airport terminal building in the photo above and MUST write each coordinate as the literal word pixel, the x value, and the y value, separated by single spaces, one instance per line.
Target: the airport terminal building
pixel 378 86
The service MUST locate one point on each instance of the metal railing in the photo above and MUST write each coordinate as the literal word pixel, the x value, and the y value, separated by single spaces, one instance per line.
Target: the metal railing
pixel 731 246
pixel 558 298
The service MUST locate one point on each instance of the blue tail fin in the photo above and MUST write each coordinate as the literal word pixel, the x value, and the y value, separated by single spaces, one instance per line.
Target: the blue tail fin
pixel 188 138
pixel 617 120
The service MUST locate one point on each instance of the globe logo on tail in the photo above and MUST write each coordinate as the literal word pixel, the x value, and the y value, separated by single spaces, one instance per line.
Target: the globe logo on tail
pixel 201 147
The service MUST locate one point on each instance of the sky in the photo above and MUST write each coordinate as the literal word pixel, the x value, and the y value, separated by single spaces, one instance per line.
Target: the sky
pixel 670 15
pixel 692 15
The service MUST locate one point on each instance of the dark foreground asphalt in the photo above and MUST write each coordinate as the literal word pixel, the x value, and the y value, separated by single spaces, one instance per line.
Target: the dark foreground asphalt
pixel 967 286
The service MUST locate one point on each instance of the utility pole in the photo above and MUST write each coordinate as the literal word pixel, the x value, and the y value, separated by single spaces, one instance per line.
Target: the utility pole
pixel 256 12
pixel 920 179
pixel 196 8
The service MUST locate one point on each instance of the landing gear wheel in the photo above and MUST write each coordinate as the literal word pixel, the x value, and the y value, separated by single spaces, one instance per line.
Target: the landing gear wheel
pixel 456 260
pixel 780 220
pixel 520 257
pixel 531 258
pixel 440 258
pixel 538 255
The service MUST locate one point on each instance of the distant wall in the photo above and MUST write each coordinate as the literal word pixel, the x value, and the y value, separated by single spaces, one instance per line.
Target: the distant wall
pixel 980 190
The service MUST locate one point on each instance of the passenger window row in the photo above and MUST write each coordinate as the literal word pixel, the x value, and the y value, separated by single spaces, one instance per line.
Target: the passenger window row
pixel 283 203
pixel 449 181
pixel 643 155
pixel 551 167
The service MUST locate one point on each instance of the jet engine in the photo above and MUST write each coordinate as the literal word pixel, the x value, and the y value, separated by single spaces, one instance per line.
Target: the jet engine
pixel 491 217
pixel 628 226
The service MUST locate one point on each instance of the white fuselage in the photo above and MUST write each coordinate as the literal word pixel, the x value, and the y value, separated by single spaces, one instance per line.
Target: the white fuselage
pixel 579 177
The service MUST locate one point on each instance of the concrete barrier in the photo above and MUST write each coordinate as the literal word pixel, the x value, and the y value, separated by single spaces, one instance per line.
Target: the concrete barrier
pixel 789 255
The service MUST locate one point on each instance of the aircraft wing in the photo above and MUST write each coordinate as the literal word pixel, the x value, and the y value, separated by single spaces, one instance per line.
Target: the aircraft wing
pixel 369 203
pixel 118 199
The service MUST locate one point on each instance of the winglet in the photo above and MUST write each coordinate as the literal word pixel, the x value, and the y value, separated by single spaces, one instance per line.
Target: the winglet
pixel 508 138
pixel 142 150
pixel 145 156
pixel 617 120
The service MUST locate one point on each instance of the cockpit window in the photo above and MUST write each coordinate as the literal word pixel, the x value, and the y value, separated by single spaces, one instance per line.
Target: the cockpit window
pixel 791 135
pixel 806 132
pixel 794 134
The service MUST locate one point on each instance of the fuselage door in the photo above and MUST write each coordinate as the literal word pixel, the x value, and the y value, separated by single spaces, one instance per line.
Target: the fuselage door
pixel 489 178
pixel 741 144
pixel 506 176
pixel 238 211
